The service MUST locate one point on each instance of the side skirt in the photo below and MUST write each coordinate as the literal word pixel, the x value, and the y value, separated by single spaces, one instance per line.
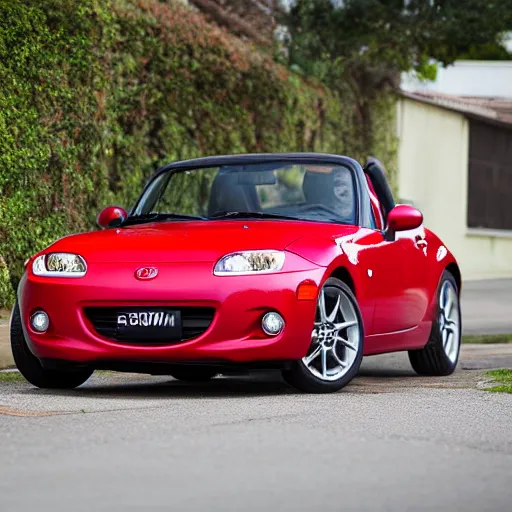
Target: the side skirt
pixel 410 339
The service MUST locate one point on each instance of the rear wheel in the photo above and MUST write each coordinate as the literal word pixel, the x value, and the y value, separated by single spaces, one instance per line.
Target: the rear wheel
pixel 30 367
pixel 336 349
pixel 193 374
pixel 441 353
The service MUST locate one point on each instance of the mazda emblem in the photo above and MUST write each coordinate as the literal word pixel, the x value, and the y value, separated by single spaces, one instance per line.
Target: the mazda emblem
pixel 146 273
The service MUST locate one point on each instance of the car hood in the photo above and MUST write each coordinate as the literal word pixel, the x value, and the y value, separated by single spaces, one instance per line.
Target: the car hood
pixel 188 241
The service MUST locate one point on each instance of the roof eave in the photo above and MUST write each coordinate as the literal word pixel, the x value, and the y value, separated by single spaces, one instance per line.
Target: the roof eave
pixel 467 112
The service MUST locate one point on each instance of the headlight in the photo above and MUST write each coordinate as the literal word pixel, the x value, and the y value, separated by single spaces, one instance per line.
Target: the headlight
pixel 249 262
pixel 59 264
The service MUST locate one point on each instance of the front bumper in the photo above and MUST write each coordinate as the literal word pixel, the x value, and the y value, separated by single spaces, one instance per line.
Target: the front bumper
pixel 235 334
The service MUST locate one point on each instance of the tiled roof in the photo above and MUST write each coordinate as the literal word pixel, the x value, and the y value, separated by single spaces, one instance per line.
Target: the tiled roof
pixel 498 109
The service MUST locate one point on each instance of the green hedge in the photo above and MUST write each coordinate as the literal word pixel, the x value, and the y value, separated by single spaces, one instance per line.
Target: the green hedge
pixel 6 290
pixel 96 94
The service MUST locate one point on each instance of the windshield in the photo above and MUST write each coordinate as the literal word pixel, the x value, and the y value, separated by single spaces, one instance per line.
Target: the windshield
pixel 287 190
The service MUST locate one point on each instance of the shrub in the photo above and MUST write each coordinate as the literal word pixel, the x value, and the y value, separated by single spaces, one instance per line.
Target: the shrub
pixel 96 95
pixel 6 291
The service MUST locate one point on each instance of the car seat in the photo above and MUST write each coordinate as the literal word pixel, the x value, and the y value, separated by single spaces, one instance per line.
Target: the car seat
pixel 228 194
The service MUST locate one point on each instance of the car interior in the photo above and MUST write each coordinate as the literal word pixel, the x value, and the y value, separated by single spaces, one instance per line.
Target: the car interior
pixel 236 190
pixel 230 194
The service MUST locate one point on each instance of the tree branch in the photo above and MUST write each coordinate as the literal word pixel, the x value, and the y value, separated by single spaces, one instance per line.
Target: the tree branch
pixel 232 21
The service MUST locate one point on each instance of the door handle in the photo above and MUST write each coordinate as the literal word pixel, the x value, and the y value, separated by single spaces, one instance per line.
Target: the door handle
pixel 421 243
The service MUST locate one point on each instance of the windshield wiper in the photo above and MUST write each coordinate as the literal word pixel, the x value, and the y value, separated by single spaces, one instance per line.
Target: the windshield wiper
pixel 250 215
pixel 158 217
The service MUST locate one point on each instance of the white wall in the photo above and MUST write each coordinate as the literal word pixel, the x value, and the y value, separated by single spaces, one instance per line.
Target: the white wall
pixel 466 78
pixel 432 164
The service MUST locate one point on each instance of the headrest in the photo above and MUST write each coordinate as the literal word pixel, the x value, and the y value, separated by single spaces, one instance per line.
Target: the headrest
pixel 315 185
pixel 228 194
pixel 319 188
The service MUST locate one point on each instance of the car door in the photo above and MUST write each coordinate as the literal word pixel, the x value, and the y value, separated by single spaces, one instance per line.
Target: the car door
pixel 396 279
pixel 400 280
pixel 399 275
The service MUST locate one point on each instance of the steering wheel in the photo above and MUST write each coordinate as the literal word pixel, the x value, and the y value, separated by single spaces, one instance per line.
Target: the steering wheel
pixel 309 207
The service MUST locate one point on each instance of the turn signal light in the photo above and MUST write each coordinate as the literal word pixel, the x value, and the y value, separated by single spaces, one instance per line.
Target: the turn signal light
pixel 307 290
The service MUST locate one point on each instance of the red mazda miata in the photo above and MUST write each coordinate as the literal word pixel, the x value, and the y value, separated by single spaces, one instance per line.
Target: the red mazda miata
pixel 300 262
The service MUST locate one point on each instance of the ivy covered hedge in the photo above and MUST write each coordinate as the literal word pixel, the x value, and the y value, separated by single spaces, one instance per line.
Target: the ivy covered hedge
pixel 96 94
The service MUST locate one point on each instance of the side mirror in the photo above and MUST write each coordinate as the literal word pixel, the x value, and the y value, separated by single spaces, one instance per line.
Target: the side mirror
pixel 403 217
pixel 111 216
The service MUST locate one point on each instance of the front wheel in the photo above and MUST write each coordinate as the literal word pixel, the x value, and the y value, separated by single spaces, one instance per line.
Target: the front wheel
pixel 441 353
pixel 336 349
pixel 30 367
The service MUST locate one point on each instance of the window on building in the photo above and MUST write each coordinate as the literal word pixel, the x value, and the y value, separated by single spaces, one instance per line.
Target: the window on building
pixel 490 176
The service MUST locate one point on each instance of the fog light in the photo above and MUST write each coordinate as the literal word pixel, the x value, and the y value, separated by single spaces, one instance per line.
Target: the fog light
pixel 272 323
pixel 40 321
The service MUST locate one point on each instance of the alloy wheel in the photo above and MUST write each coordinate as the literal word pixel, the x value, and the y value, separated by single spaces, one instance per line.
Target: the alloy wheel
pixel 449 320
pixel 336 336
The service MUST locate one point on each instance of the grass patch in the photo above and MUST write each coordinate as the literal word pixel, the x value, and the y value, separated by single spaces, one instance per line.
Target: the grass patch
pixel 487 338
pixel 11 377
pixel 504 380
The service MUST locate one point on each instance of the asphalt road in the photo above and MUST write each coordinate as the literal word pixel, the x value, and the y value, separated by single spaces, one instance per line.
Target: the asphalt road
pixel 389 441
pixel 487 306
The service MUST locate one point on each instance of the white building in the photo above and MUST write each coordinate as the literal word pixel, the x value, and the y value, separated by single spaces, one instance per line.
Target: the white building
pixel 455 162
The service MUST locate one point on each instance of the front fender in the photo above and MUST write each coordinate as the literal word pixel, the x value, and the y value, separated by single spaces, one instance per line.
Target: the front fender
pixel 345 259
pixel 318 250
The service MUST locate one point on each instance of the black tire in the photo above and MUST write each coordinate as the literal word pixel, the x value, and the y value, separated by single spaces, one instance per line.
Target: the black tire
pixel 433 359
pixel 30 367
pixel 298 376
pixel 193 374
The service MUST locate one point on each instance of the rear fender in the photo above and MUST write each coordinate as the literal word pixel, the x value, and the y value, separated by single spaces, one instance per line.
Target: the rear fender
pixel 439 260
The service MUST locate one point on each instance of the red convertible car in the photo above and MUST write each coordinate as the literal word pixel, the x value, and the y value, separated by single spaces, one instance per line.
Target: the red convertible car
pixel 300 262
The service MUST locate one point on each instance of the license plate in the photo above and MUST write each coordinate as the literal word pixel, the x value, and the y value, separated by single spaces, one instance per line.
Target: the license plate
pixel 150 325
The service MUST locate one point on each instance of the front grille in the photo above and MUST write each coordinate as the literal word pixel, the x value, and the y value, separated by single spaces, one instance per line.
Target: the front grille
pixel 194 321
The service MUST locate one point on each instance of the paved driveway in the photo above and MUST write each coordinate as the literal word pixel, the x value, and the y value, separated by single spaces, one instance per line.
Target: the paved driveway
pixel 391 441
